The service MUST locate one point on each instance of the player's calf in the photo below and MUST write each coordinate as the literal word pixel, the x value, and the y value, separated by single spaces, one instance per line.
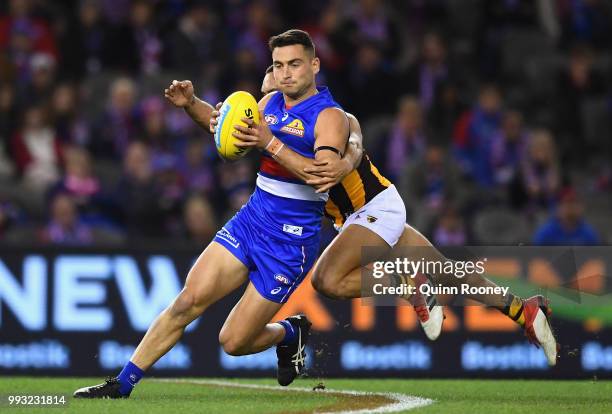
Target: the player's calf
pixel 163 334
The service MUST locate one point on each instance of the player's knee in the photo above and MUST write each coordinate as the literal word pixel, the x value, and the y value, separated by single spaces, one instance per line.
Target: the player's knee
pixel 186 305
pixel 235 348
pixel 323 283
pixel 232 344
pixel 317 280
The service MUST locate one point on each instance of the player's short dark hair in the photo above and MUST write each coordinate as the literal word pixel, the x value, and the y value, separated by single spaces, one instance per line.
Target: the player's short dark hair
pixel 292 37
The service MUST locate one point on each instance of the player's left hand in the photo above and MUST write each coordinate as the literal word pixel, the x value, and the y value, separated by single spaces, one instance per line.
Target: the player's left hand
pixel 255 135
pixel 330 172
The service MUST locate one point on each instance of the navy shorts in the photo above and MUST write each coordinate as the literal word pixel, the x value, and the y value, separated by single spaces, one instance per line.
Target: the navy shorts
pixel 275 268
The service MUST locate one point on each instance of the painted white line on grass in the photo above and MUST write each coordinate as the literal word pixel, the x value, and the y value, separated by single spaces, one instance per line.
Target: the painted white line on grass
pixel 401 402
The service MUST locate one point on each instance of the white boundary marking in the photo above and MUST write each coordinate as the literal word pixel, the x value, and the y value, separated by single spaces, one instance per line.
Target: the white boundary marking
pixel 402 401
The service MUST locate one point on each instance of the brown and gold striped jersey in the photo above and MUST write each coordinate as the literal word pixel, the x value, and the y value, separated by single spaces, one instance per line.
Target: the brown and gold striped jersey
pixel 358 188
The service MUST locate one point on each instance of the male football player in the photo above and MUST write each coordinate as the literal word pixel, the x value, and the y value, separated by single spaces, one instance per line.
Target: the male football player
pixel 272 242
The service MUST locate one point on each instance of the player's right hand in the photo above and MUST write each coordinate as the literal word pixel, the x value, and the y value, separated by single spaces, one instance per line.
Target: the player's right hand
pixel 179 93
pixel 213 118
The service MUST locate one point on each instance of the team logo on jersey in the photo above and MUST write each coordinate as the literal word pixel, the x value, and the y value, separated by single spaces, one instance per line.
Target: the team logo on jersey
pixel 371 219
pixel 271 119
pixel 295 127
pixel 282 278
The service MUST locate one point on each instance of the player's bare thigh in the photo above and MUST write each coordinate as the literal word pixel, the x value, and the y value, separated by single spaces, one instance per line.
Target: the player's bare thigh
pixel 337 273
pixel 215 274
pixel 405 248
pixel 412 237
pixel 244 325
pixel 420 247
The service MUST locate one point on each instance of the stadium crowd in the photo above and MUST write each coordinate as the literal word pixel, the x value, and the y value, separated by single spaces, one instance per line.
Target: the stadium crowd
pixel 491 116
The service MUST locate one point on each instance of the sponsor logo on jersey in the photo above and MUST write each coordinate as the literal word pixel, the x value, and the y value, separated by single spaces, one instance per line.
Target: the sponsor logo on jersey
pixel 271 119
pixel 285 116
pixel 288 228
pixel 282 278
pixel 276 290
pixel 371 219
pixel 227 236
pixel 295 127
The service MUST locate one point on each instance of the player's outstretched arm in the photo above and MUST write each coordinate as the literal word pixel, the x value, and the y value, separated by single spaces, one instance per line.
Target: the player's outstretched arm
pixel 181 94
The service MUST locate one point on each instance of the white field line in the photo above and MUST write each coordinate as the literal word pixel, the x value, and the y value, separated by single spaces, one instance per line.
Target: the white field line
pixel 401 402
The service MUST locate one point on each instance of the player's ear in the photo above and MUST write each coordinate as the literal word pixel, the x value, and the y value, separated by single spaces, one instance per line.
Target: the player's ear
pixel 316 65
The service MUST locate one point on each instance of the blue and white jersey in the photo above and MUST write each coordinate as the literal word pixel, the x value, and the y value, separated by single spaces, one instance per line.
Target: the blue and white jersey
pixel 282 204
pixel 276 233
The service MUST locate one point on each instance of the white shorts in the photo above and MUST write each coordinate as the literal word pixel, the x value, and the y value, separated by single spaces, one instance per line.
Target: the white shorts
pixel 385 215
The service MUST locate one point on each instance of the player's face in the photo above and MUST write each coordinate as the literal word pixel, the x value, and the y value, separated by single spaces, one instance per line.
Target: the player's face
pixel 294 70
pixel 269 84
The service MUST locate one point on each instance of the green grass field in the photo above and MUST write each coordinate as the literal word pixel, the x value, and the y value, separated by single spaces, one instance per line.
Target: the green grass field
pixel 449 396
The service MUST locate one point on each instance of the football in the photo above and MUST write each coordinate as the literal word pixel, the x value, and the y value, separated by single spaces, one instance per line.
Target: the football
pixel 238 105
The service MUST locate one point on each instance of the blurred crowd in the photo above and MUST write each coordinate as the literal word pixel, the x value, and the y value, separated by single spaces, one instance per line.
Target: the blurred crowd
pixel 491 116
